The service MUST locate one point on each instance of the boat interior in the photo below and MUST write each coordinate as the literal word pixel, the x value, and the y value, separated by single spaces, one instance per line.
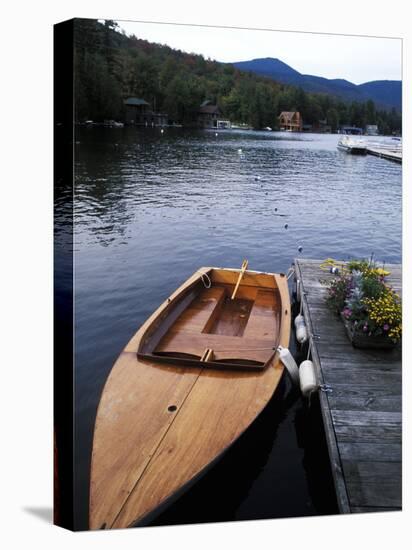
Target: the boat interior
pixel 235 323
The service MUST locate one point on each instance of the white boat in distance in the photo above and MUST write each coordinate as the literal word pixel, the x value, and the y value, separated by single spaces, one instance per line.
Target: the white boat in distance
pixel 352 145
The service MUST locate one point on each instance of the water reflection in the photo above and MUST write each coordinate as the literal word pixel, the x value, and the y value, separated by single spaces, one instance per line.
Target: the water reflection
pixel 145 177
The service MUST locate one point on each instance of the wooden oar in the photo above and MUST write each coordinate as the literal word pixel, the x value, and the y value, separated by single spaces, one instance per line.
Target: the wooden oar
pixel 242 271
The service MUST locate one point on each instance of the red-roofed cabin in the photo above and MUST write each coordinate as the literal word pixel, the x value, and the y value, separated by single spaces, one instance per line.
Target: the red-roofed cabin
pixel 290 121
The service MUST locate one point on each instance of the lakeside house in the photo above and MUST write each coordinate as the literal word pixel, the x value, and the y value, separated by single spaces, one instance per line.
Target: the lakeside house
pixel 208 115
pixel 138 111
pixel 291 121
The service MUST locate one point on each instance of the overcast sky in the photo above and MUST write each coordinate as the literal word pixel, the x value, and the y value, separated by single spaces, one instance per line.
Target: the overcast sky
pixel 354 58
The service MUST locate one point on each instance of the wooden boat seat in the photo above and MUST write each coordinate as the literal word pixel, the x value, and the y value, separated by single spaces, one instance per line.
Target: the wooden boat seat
pixel 224 347
pixel 264 317
pixel 195 332
pixel 195 317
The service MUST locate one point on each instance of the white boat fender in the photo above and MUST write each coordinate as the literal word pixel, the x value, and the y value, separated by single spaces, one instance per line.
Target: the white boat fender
pixel 307 378
pixel 289 363
pixel 300 329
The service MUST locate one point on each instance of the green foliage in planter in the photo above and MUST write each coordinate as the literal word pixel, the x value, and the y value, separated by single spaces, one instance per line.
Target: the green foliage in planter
pixel 372 287
pixel 365 301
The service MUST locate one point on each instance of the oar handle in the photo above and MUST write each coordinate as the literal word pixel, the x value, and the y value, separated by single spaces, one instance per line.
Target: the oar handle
pixel 242 271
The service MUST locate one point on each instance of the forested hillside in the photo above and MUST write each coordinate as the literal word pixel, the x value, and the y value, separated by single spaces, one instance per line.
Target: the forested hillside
pixel 109 67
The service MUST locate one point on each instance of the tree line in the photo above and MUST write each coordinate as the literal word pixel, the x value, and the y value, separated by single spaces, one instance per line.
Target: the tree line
pixel 110 66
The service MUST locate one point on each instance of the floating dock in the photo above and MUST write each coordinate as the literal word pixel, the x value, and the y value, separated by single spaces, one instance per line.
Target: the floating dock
pixel 361 401
pixel 385 153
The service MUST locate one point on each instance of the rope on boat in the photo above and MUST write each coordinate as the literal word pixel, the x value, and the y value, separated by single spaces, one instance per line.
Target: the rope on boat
pixel 309 347
pixel 291 271
pixel 208 282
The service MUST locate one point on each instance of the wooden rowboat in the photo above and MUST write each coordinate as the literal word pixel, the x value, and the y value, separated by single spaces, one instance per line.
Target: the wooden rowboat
pixel 186 386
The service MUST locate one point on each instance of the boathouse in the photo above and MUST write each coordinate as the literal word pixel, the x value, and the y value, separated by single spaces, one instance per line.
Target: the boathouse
pixel 322 127
pixel 224 124
pixel 208 115
pixel 290 121
pixel 351 130
pixel 319 127
pixel 139 112
pixel 371 130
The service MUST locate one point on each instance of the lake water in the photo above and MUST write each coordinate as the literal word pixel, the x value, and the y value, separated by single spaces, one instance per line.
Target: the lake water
pixel 151 208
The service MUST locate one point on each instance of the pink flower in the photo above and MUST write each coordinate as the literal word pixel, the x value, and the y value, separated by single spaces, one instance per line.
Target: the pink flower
pixel 347 312
pixel 386 326
pixel 365 327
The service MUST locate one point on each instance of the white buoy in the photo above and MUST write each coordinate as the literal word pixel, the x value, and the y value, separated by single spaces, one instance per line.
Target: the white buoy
pixel 307 378
pixel 300 329
pixel 239 151
pixel 161 131
pixel 289 363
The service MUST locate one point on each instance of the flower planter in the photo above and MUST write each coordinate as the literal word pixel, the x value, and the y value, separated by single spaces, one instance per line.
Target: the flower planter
pixel 365 300
pixel 363 340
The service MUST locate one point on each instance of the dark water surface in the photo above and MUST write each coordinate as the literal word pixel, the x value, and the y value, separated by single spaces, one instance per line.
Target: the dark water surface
pixel 150 209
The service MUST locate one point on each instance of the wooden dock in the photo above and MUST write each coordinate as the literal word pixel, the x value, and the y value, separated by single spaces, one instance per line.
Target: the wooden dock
pixel 362 404
pixel 385 153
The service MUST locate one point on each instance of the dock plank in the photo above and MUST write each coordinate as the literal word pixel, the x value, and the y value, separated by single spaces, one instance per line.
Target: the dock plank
pixel 367 452
pixel 368 402
pixel 369 434
pixel 369 482
pixel 362 414
pixel 385 153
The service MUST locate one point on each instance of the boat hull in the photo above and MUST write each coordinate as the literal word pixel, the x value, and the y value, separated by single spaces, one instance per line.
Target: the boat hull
pixel 353 150
pixel 160 425
pixel 352 146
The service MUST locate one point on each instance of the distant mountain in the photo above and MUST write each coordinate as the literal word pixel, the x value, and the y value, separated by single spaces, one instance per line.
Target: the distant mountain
pixel 385 93
pixel 270 67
